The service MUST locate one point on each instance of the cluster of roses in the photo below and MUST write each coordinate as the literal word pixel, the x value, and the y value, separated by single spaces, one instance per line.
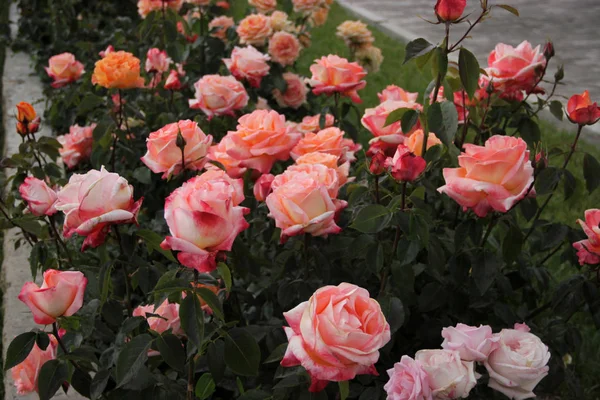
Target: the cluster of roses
pixel 359 40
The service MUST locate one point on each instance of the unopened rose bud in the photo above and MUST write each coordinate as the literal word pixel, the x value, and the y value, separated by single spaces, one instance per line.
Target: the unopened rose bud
pixel 560 74
pixel 34 125
pixel 541 161
pixel 25 112
pixel 449 10
pixel 180 141
pixel 377 164
pixel 549 50
pixel 405 166
pixel 581 110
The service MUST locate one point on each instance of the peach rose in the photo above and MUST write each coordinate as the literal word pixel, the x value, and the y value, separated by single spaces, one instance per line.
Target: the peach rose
pixel 588 250
pixel 249 64
pixel 157 61
pixel 254 29
pixel 328 140
pixel 61 294
pixel 322 174
pixel 262 187
pixel 518 364
pixel 333 74
pixel 328 160
pixel 145 7
pixel 312 123
pixel 303 205
pixel 201 3
pixel 408 381
pixel 405 166
pixel 393 92
pixel 219 95
pixel 355 34
pixel 77 144
pixel 64 69
pixel 260 139
pixel 494 176
pixel 168 317
pixel 203 221
pixel 415 141
pixel 94 201
pixel 336 334
pixel 284 48
pixel 449 377
pixel 369 57
pixel 218 26
pixel 263 6
pixel 26 374
pixel 515 68
pixel 295 92
pixel 306 6
pixel 218 175
pixel 472 343
pixel 218 153
pixel 165 156
pixel 39 196
pixel 581 110
pixel 118 70
pixel 374 120
pixel 319 16
pixel 279 21
pixel 449 10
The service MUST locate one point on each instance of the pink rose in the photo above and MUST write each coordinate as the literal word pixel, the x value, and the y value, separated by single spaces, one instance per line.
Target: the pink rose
pixel 449 377
pixel 61 294
pixel 260 139
pixel 219 25
pixel 303 205
pixel 262 187
pixel 336 334
pixel 145 7
pixel 333 74
pixel 203 221
pixel 94 201
pixel 324 175
pixel 77 144
pixel 311 123
pixel 328 140
pixel 249 64
pixel 64 69
pixel 108 50
pixel 374 120
pixel 515 68
pixel 218 175
pixel 157 61
pixel 219 153
pixel 219 95
pixel 284 48
pixel 518 364
pixel 393 92
pixel 254 29
pixel 39 196
pixel 494 176
pixel 415 141
pixel 295 92
pixel 164 156
pixel 588 250
pixel 408 381
pixel 26 374
pixel 263 6
pixel 405 166
pixel 306 6
pixel 169 317
pixel 173 82
pixel 472 343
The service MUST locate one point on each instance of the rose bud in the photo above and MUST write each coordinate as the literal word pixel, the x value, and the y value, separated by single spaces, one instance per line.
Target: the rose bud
pixel 472 343
pixel 173 82
pixel 377 163
pixel 262 187
pixel 25 112
pixel 61 294
pixel 405 166
pixel 549 50
pixel 39 196
pixel 26 374
pixel 560 73
pixel 581 110
pixel 449 376
pixel 449 10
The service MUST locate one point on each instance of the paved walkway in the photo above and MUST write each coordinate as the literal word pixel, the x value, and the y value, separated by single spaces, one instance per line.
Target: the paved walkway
pixel 570 24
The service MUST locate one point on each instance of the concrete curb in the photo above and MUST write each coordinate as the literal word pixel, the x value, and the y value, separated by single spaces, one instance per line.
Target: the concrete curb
pixel 20 83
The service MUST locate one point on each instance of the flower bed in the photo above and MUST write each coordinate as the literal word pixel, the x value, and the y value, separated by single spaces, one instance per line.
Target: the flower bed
pixel 224 234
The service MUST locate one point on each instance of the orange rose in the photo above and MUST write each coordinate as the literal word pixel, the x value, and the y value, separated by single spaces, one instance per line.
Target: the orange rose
pixel 306 5
pixel 333 74
pixel 581 110
pixel 254 29
pixel 218 27
pixel 284 48
pixel 263 6
pixel 118 70
pixel 330 161
pixel 319 16
pixel 329 140
pixel 311 123
pixel 145 7
pixel 415 141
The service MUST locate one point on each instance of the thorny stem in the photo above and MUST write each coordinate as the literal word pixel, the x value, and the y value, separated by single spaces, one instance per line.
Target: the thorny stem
pixel 58 239
pixel 567 159
pixel 127 277
pixel 192 364
pixel 386 271
pixel 377 188
pixel 485 113
pixel 478 20
pixel 490 227
pixel 465 123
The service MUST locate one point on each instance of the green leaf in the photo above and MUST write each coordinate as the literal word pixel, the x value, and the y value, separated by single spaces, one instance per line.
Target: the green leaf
pixel 192 319
pixel 89 102
pixel 439 62
pixel 344 389
pixel 225 274
pixel 417 48
pixel 409 119
pixel 591 172
pixel 485 268
pixel 277 354
pixel 432 297
pixel 153 240
pixel 468 69
pixel 81 382
pixel 393 309
pixel 396 115
pixel 216 360
pixel 570 184
pixel 242 354
pixel 372 219
pixel 142 175
pixel 547 180
pixel 42 340
pixel 205 386
pixel 529 131
pixel 29 225
pixel 132 358
pixel 19 349
pixel 508 8
pixel 212 301
pixel 52 375
pixel 556 108
pixel 99 382
pixel 512 244
pixel 171 350
pixel 442 120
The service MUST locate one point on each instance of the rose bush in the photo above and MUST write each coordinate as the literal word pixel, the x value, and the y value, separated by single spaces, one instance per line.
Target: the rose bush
pixel 211 227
